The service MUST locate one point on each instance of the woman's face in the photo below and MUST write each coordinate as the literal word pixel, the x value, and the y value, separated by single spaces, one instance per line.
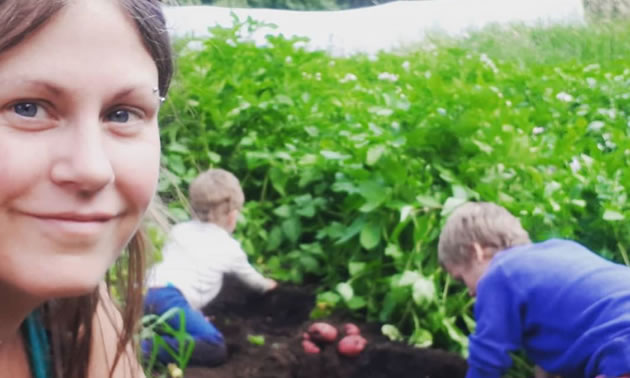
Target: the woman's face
pixel 79 148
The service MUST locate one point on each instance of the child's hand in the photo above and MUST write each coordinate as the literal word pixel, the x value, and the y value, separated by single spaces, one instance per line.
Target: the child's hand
pixel 271 284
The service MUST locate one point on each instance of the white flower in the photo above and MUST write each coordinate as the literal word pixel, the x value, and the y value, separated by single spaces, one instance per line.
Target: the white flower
pixel 508 103
pixel 611 113
pixel 406 65
pixel 427 75
pixel 318 76
pixel 441 111
pixel 488 62
pixel 595 126
pixel 575 165
pixel 538 130
pixel 591 67
pixel 348 77
pixel 388 76
pixel 564 96
pixel 288 59
pixel 591 82
pixel 195 45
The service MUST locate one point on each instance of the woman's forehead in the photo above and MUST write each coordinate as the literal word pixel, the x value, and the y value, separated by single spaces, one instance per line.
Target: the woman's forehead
pixel 88 42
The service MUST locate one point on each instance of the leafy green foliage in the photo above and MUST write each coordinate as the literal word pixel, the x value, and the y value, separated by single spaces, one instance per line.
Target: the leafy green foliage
pixel 350 165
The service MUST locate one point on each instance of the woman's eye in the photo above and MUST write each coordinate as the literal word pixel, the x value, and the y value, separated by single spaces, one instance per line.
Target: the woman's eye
pixel 26 109
pixel 122 116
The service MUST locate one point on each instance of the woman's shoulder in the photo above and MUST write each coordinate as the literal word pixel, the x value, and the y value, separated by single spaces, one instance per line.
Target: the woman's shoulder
pixel 107 327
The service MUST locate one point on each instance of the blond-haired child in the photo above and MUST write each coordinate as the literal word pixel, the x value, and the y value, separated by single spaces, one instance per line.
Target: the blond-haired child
pixel 567 307
pixel 196 256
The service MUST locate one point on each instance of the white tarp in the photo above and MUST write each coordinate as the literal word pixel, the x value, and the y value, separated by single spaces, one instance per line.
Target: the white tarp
pixel 380 27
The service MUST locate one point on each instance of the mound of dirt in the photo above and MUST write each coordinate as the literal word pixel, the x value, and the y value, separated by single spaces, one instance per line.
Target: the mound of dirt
pixel 281 317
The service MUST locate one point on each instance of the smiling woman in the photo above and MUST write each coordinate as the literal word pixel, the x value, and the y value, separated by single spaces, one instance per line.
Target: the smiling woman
pixel 80 89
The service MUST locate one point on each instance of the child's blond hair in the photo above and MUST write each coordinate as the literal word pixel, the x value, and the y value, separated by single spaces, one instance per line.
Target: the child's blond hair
pixel 487 224
pixel 213 194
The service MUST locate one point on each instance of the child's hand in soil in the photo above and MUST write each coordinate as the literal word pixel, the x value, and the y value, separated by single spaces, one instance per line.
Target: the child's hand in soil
pixel 271 285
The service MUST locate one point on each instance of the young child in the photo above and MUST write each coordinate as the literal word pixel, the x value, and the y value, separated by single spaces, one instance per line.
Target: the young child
pixel 195 257
pixel 568 308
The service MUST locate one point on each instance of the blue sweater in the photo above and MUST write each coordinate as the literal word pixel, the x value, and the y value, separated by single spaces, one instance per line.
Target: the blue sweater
pixel 568 308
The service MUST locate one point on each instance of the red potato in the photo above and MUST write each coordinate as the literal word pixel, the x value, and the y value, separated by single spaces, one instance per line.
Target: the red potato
pixel 310 347
pixel 351 345
pixel 351 329
pixel 323 332
pixel 306 336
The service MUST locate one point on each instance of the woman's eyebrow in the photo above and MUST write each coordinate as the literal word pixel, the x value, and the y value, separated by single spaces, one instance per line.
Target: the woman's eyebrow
pixel 35 83
pixel 142 90
pixel 58 91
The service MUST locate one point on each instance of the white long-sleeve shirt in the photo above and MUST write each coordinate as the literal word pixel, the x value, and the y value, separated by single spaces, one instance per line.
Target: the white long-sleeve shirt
pixel 195 258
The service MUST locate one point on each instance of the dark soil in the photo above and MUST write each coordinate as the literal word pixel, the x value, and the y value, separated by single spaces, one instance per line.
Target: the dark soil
pixel 282 316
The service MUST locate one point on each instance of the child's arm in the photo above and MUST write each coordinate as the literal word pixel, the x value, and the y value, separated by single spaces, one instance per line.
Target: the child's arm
pixel 245 272
pixel 498 331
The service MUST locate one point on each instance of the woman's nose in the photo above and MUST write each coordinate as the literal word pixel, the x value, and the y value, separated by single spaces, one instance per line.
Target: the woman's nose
pixel 82 163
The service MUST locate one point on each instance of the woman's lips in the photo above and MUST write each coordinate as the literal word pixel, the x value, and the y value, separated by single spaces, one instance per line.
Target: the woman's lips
pixel 86 225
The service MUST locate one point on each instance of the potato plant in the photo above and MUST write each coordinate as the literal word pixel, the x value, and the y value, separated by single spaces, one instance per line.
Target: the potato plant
pixel 350 165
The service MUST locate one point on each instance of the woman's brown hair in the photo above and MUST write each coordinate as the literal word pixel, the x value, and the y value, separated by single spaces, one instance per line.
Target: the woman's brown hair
pixel 70 321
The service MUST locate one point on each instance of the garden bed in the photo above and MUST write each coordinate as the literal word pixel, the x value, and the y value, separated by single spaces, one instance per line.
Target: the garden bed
pixel 281 317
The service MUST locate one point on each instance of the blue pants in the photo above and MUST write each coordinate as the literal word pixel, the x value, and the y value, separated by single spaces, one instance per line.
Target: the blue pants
pixel 209 347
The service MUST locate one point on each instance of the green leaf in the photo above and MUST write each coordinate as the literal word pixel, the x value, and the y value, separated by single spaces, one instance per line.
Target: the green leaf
pixel 275 238
pixel 451 204
pixel 421 338
pixel 306 211
pixel 408 278
pixel 405 211
pixel 374 193
pixel 284 100
pixel 374 154
pixel 380 111
pixel 333 155
pixel 345 290
pixel 177 147
pixel 292 229
pixel 355 267
pixel 423 291
pixel 391 332
pixel 256 339
pixel 283 211
pixel 350 232
pixel 370 235
pixel 393 250
pixel 428 202
pixel 309 263
pixel 278 179
pixel 356 303
pixel 329 297
pixel 613 216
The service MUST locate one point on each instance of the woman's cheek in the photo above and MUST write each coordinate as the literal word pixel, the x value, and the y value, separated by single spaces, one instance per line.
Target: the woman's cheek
pixel 137 171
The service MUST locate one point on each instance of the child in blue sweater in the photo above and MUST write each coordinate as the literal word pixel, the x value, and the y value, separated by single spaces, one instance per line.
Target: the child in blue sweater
pixel 568 308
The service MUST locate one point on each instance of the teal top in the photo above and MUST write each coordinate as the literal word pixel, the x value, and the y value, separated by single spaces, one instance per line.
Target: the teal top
pixel 37 345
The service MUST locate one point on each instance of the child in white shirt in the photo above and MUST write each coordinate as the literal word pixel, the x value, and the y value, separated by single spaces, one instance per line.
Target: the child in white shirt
pixel 195 257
